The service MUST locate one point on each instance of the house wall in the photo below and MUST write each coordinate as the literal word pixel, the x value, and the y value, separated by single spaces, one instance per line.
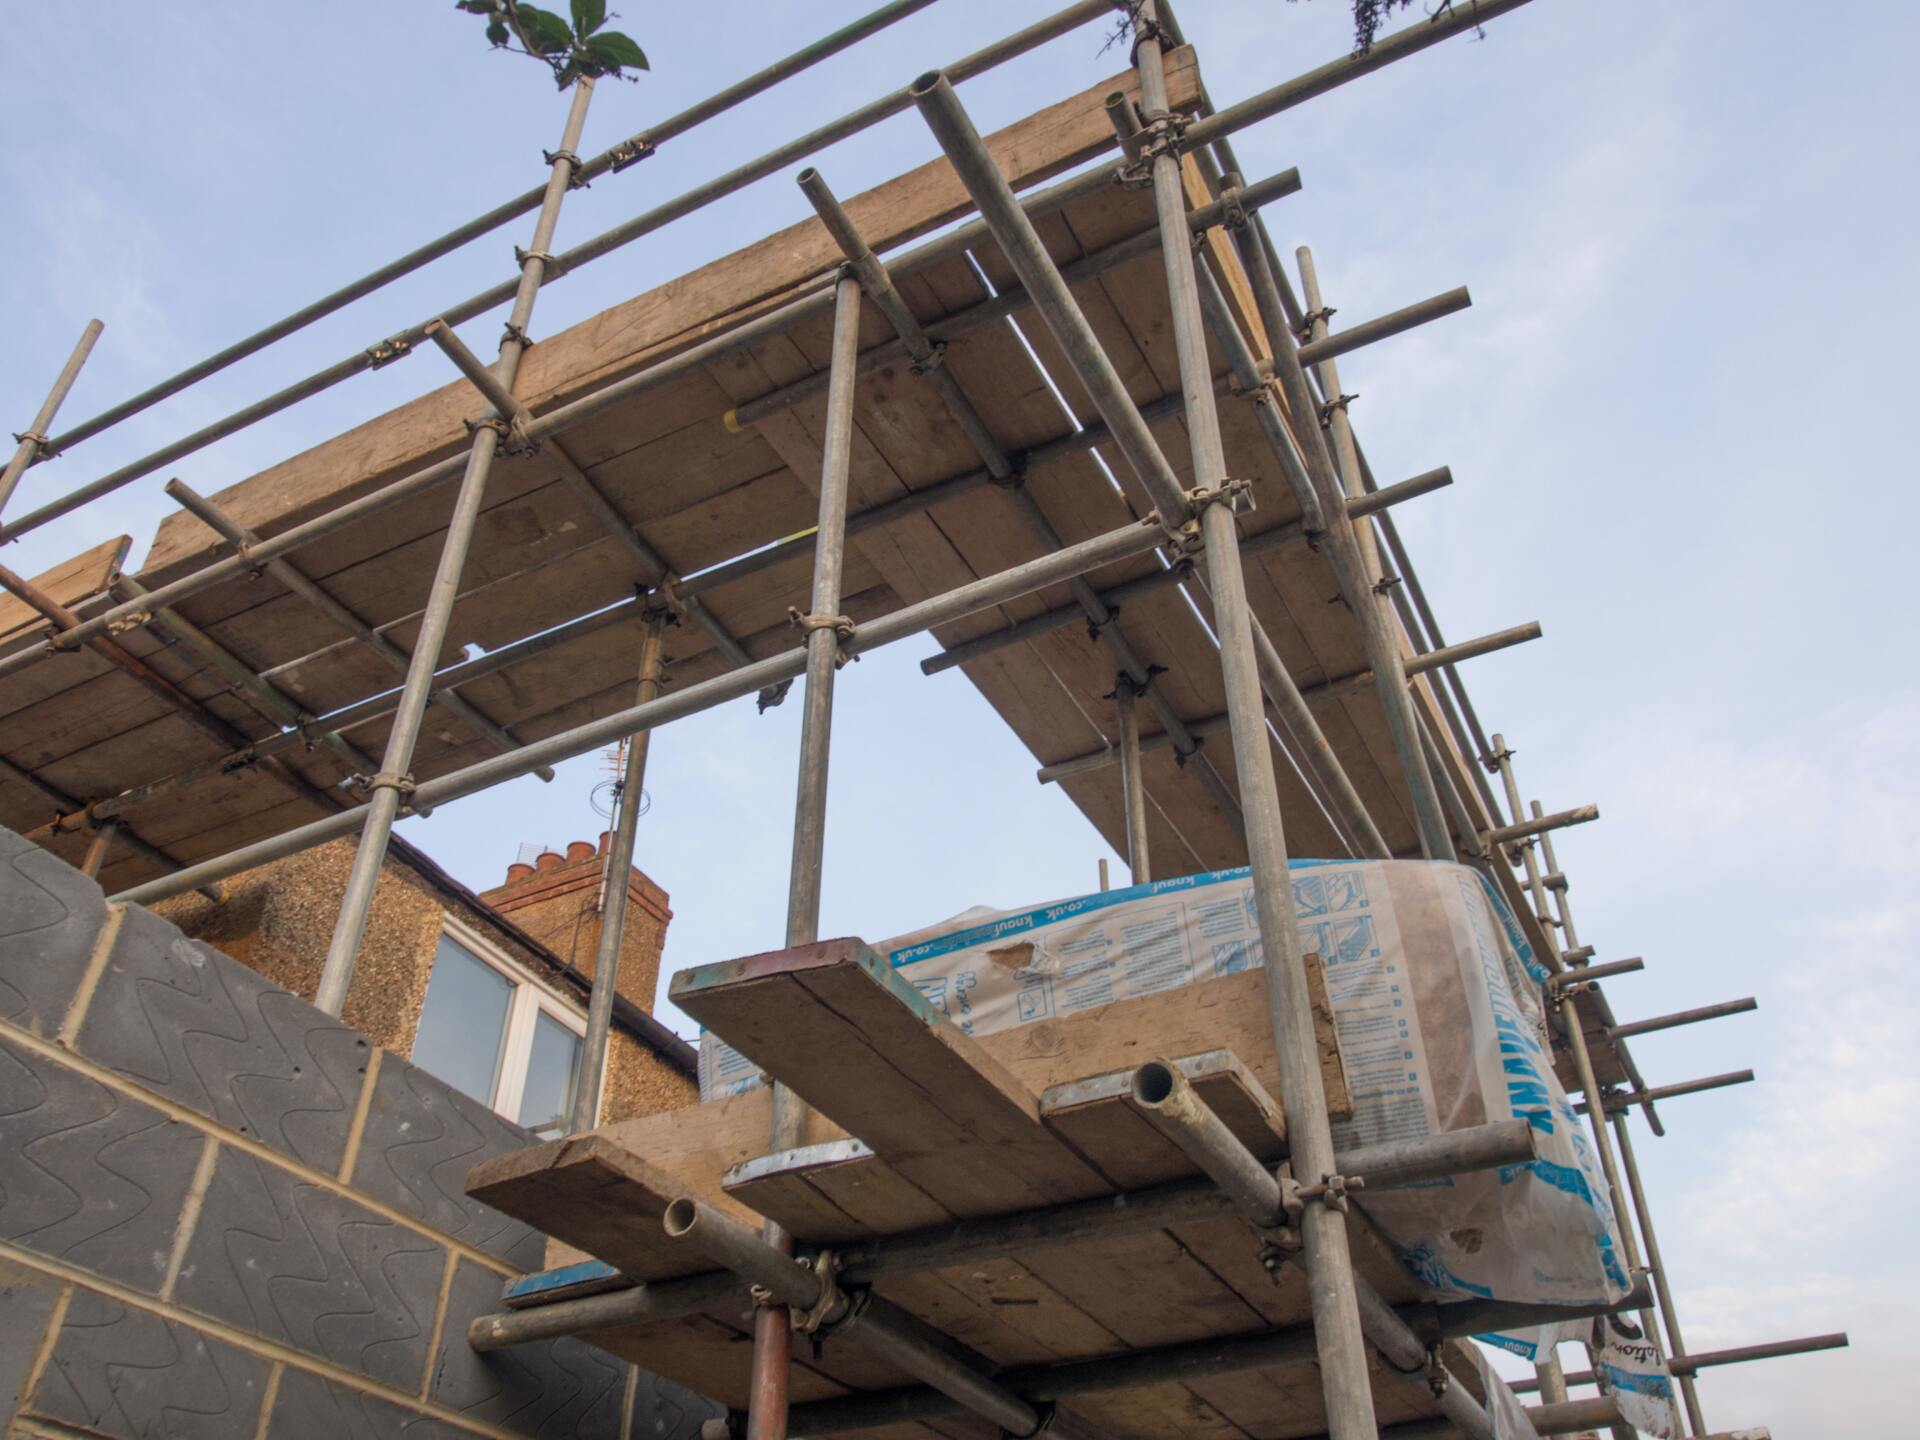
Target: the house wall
pixel 278 919
pixel 225 1214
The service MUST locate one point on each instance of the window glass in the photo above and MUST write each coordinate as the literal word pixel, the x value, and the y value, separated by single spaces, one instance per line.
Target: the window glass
pixel 463 1026
pixel 546 1104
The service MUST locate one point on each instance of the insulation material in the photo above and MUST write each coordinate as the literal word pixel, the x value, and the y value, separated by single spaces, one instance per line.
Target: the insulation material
pixel 1436 1005
pixel 1629 1364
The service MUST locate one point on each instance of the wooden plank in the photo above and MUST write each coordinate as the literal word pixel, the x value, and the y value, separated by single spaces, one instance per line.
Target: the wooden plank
pixel 600 1196
pixel 834 1022
pixel 69 582
pixel 668 319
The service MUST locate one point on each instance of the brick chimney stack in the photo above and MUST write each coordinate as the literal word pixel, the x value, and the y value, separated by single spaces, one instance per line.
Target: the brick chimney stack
pixel 557 901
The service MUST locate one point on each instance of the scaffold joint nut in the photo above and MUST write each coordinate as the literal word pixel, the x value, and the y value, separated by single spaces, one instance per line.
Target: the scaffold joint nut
pixel 1339 403
pixel 663 601
pixel 1332 1191
pixel 1438 1377
pixel 385 780
pixel 1016 475
pixel 1236 495
pixel 516 334
pixel 385 352
pixel 1313 318
pixel 1233 208
pixel 554 157
pixel 554 267
pixel 36 440
pixel 832 1307
pixel 1385 583
pixel 935 357
pixel 842 627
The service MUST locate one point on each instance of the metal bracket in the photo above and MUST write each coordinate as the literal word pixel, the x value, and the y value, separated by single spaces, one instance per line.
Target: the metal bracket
pixel 513 332
pixel 555 267
pixel 1016 475
pixel 833 1305
pixel 662 602
pixel 1236 495
pixel 384 780
pixel 397 347
pixel 1161 132
pixel 37 440
pixel 629 152
pixel 1332 1191
pixel 1233 210
pixel 1181 757
pixel 1096 627
pixel 1308 320
pixel 1339 402
pixel 1124 683
pixel 842 626
pixel 1384 584
pixel 554 157
pixel 500 428
pixel 935 358
pixel 1438 1377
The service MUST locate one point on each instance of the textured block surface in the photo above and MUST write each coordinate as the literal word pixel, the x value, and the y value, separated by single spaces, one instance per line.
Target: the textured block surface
pixel 26 1304
pixel 134 1375
pixel 421 1139
pixel 88 1175
pixel 205 1031
pixel 308 1407
pixel 279 1257
pixel 49 916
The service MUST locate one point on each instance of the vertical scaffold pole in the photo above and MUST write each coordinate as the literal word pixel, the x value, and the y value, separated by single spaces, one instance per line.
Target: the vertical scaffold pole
pixel 1563 1001
pixel 1677 1347
pixel 613 910
pixel 383 807
pixel 1335 1304
pixel 1402 721
pixel 33 440
pixel 824 627
pixel 1535 885
pixel 1133 788
pixel 1596 1110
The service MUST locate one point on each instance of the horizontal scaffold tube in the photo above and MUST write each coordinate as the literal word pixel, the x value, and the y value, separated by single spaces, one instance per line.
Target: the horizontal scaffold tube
pixel 1265 542
pixel 1559 820
pixel 1220 1355
pixel 1332 689
pixel 606 242
pixel 1737 1355
pixel 1683 1017
pixel 997 589
pixel 1622 1102
pixel 1391 1162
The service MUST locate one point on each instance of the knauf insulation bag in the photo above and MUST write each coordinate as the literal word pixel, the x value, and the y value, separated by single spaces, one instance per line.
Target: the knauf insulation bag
pixel 1436 1005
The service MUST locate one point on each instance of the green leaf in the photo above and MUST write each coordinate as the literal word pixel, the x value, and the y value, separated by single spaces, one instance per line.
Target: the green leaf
pixel 474 7
pixel 546 33
pixel 615 50
pixel 497 34
pixel 588 16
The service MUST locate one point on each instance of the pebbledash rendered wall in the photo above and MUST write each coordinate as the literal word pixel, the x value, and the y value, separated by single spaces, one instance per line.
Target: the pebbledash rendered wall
pixel 225 1214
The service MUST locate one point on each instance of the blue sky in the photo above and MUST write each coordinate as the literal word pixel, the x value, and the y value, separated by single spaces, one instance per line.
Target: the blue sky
pixel 1676 416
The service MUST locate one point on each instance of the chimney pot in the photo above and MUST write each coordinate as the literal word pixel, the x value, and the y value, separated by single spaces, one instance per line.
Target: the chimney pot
pixel 518 871
pixel 606 841
pixel 578 850
pixel 549 859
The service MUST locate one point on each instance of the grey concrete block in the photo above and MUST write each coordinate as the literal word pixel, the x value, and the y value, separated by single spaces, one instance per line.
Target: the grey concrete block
pixel 420 1140
pixel 278 1256
pixel 133 1375
pixel 308 1407
pixel 49 916
pixel 208 1033
pixel 663 1410
pixel 90 1176
pixel 556 1388
pixel 26 1304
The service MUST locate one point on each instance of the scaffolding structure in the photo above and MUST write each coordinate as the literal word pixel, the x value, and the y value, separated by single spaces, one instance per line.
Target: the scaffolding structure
pixel 1287 779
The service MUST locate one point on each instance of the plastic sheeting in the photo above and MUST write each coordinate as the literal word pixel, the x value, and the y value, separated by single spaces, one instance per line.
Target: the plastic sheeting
pixel 1436 1002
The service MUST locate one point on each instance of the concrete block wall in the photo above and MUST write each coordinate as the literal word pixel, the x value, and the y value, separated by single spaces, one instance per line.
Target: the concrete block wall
pixel 225 1214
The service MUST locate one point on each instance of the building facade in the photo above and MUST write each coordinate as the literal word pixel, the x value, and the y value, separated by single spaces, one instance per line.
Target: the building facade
pixel 486 991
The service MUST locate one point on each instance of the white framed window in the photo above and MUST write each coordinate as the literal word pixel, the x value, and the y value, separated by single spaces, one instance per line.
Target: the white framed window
pixel 493 1030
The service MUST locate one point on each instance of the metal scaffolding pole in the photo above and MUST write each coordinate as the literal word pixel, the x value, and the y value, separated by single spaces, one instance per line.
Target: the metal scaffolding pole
pixel 32 442
pixel 824 627
pixel 1564 1004
pixel 1676 1345
pixel 1384 648
pixel 97 849
pixel 591 1077
pixel 1133 789
pixel 391 780
pixel 1330 1278
pixel 1123 543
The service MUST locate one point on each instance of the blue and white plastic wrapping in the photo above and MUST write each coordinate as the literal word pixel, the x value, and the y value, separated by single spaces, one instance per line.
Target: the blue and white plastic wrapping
pixel 1435 998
